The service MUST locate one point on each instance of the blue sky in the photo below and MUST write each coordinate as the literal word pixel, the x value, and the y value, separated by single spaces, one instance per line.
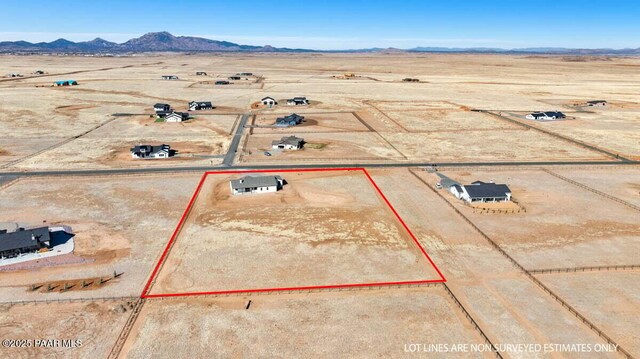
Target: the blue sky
pixel 332 24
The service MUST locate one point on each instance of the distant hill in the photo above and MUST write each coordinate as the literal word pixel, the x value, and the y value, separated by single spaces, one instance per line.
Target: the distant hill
pixel 151 42
pixel 164 41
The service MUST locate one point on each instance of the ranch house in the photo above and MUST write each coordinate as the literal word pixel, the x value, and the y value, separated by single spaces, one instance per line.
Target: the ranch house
pixel 256 184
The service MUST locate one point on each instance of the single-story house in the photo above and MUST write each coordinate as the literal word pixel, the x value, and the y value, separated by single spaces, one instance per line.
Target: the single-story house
pixel 201 73
pixel 288 143
pixel 289 120
pixel 162 107
pixel 245 74
pixel 23 241
pixel 169 77
pixel 65 83
pixel 222 82
pixel 148 151
pixel 479 191
pixel 234 78
pixel 256 184
pixel 297 101
pixel 597 103
pixel 549 115
pixel 176 117
pixel 200 105
pixel 269 101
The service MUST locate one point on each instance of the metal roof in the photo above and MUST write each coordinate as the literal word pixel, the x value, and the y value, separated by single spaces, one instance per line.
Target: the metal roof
pixel 256 181
pixel 290 140
pixel 487 190
pixel 24 238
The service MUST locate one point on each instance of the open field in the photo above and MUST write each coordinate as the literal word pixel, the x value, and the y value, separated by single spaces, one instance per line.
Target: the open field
pixel 611 299
pixel 503 144
pixel 623 183
pixel 426 121
pixel 93 324
pixel 335 220
pixel 313 122
pixel 374 324
pixel 509 307
pixel 616 132
pixel 321 147
pixel 121 224
pixel 562 227
pixel 325 228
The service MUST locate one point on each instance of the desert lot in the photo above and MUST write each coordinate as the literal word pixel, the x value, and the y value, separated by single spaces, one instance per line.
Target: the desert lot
pixel 430 121
pixel 335 220
pixel 573 241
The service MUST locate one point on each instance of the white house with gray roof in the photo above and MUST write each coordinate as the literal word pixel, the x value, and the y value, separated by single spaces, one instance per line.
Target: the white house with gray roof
pixel 479 191
pixel 288 143
pixel 256 184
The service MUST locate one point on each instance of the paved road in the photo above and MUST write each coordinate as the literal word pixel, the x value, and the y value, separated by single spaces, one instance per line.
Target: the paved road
pixel 235 141
pixel 304 166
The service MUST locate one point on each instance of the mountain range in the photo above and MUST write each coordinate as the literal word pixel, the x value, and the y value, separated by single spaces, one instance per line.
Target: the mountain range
pixel 166 42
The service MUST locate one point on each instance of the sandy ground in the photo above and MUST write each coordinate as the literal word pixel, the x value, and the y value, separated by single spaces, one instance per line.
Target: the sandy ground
pixel 313 122
pixel 623 183
pixel 610 298
pixel 348 146
pixel 562 227
pixel 361 324
pixel 426 121
pixel 507 305
pixel 121 223
pixel 335 221
pixel 94 324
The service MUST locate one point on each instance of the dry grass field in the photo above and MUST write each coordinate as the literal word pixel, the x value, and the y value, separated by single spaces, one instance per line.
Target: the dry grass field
pixel 358 324
pixel 334 220
pixel 91 324
pixel 561 227
pixel 326 228
pixel 121 223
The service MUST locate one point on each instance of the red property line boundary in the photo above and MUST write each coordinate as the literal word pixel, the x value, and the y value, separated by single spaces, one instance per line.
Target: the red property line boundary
pixel 185 214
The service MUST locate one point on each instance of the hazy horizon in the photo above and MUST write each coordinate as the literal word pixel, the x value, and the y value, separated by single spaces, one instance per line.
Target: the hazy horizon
pixel 333 25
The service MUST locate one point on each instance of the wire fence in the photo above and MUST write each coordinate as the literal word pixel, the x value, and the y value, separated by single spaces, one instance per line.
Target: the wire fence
pixel 69 300
pixel 583 186
pixel 586 269
pixel 533 278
